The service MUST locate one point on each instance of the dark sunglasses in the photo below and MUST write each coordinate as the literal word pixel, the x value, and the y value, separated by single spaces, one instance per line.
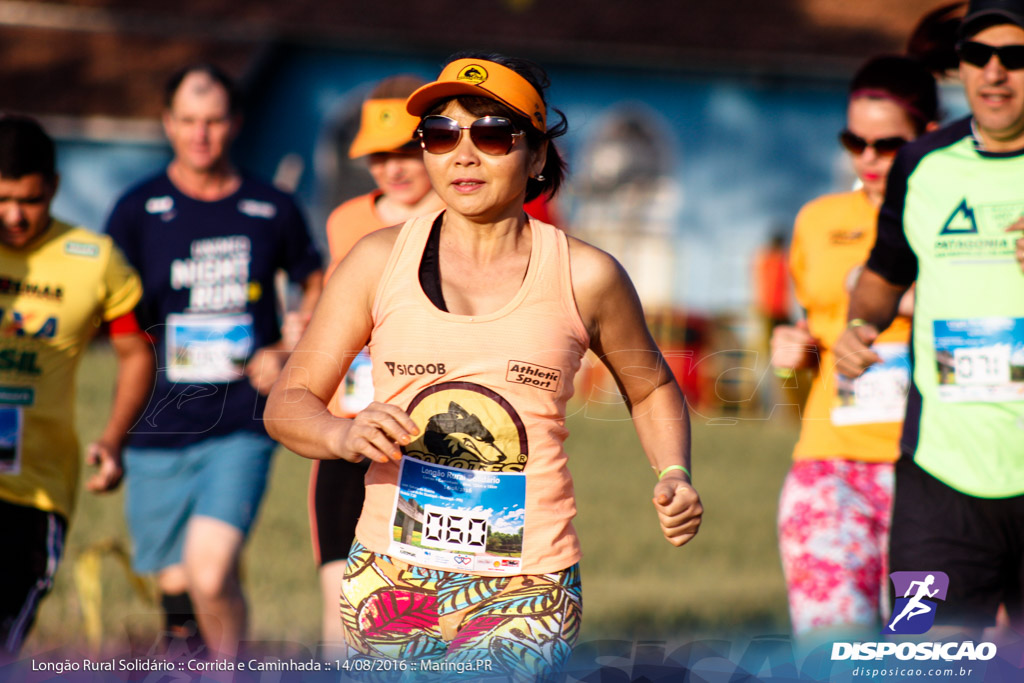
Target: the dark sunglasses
pixel 492 135
pixel 979 54
pixel 884 147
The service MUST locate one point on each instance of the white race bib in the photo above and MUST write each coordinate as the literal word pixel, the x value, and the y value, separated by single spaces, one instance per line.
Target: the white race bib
pixel 208 348
pixel 457 519
pixel 980 359
pixel 878 395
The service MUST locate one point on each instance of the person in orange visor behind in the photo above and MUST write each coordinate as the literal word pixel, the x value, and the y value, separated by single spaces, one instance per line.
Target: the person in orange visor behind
pixel 395 161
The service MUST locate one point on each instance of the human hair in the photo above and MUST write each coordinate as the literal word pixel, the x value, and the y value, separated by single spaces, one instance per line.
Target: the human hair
pixel 25 149
pixel 933 40
pixel 218 75
pixel 395 87
pixel 554 170
pixel 903 80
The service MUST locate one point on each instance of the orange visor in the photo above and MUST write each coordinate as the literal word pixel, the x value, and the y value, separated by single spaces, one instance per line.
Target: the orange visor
pixel 385 127
pixel 481 78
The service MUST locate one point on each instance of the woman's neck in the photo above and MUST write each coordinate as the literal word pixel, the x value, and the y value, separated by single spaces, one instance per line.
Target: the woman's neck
pixel 483 242
pixel 875 198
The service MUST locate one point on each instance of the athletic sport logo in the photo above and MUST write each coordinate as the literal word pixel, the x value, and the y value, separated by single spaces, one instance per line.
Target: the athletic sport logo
pixel 916 593
pixel 472 73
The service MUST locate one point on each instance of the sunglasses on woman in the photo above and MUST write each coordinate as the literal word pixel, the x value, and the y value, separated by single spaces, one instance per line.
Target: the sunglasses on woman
pixel 884 147
pixel 979 54
pixel 493 135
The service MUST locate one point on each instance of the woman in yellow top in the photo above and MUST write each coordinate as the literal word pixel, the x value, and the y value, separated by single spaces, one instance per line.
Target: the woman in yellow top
pixel 477 318
pixel 395 161
pixel 834 508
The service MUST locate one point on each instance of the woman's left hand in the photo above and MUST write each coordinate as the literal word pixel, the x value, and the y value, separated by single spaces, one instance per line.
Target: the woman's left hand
pixel 679 509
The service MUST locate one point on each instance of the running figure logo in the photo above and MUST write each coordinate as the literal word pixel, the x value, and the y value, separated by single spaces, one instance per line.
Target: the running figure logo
pixel 914 612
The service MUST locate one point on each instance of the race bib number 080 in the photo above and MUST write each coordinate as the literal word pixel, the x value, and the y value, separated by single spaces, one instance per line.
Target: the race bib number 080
pixel 458 530
pixel 457 519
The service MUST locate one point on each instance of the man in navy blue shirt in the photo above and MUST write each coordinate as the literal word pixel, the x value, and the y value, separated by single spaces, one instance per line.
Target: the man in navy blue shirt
pixel 207 242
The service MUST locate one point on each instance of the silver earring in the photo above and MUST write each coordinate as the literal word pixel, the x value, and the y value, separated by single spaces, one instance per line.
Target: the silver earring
pixel 540 178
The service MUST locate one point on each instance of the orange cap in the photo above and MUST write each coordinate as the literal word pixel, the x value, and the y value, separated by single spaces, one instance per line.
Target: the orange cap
pixel 482 78
pixel 385 127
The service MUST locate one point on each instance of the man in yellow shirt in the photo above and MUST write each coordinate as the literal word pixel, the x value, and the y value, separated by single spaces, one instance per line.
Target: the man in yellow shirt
pixel 58 284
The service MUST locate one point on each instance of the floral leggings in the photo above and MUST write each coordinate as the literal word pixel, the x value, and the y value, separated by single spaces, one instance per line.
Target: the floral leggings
pixel 518 627
pixel 833 538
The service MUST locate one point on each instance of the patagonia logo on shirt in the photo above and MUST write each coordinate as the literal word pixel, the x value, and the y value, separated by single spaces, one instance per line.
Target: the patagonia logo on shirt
pixel 257 209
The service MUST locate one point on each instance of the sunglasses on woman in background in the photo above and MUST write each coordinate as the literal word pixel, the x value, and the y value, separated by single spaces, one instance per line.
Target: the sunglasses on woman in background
pixel 883 147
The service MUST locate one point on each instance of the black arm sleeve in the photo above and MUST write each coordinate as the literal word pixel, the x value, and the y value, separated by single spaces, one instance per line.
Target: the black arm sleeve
pixel 891 257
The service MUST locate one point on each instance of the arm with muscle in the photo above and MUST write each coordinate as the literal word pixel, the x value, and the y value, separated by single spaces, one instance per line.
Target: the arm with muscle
pixel 296 413
pixel 618 332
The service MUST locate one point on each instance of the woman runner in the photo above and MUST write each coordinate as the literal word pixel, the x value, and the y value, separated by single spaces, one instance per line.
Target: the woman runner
pixel 477 318
pixel 834 509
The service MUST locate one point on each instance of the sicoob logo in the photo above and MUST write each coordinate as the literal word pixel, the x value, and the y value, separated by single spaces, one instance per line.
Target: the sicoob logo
pixel 916 593
pixel 403 369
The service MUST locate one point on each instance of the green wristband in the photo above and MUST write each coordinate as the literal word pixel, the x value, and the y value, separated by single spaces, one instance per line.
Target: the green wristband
pixel 857 322
pixel 670 468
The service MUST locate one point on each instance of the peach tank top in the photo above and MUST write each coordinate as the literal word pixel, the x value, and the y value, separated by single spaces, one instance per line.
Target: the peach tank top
pixel 485 488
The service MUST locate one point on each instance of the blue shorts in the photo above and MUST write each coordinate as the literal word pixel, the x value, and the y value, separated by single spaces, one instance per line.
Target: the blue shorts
pixel 222 477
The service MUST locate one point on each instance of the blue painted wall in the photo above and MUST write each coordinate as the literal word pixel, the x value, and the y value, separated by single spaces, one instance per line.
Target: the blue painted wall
pixel 745 154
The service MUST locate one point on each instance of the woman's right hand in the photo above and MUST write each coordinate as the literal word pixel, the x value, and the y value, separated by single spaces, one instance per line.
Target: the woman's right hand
pixel 791 345
pixel 377 432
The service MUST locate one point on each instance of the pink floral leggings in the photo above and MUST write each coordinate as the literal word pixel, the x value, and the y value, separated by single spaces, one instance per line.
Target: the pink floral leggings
pixel 833 538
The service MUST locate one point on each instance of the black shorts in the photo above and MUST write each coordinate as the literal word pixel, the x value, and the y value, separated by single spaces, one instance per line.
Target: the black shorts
pixel 978 542
pixel 33 545
pixel 336 492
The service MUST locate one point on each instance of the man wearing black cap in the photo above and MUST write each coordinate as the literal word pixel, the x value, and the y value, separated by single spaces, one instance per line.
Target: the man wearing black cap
pixel 951 222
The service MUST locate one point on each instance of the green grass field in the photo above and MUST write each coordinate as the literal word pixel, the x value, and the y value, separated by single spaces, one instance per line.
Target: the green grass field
pixel 636 585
